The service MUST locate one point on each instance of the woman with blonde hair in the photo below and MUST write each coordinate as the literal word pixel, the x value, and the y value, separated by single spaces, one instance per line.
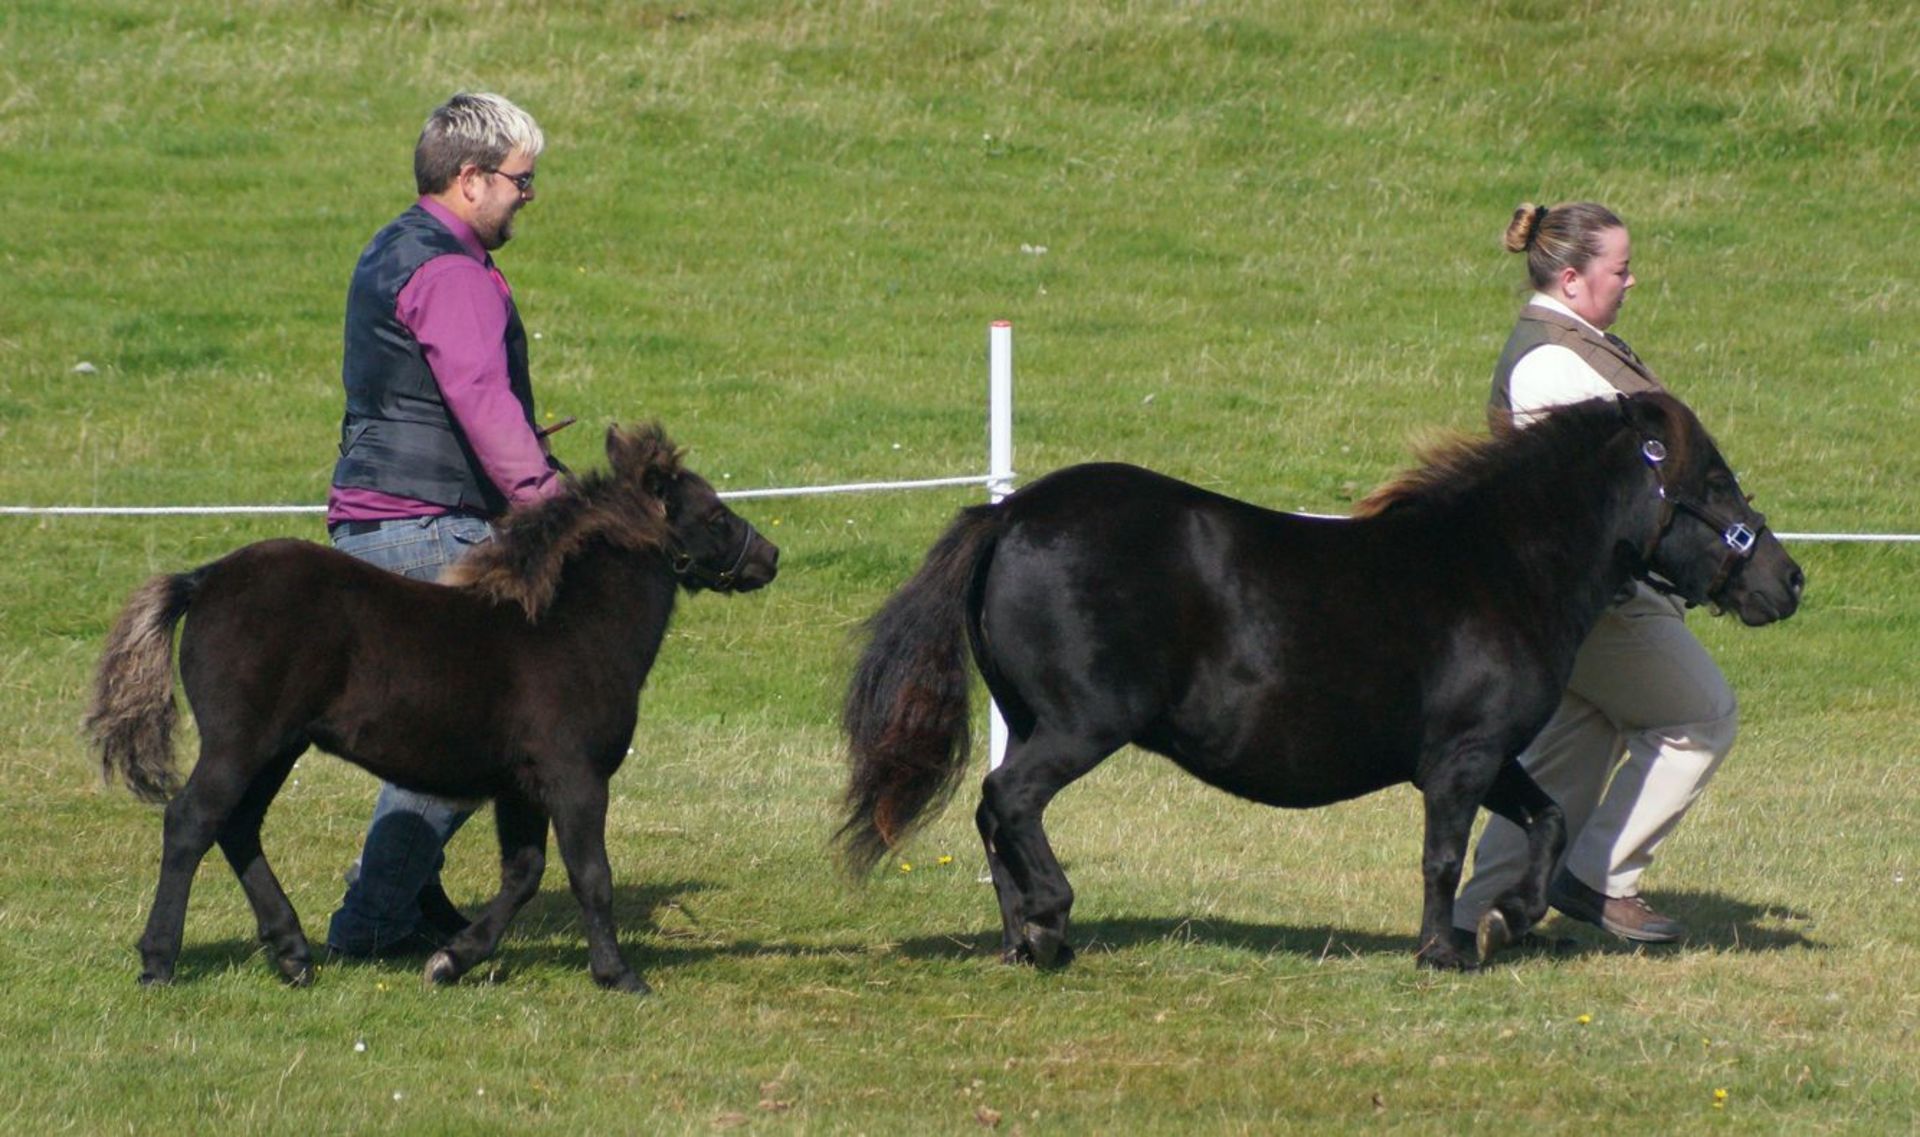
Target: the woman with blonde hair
pixel 1647 716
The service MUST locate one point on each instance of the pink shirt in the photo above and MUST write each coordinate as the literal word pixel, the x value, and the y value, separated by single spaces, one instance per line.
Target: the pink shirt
pixel 456 308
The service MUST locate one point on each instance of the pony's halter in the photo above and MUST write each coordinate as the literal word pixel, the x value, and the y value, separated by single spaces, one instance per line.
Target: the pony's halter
pixel 1739 538
pixel 686 568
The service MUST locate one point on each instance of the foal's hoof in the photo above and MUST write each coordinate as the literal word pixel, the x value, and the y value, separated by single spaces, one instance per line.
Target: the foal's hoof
pixel 441 971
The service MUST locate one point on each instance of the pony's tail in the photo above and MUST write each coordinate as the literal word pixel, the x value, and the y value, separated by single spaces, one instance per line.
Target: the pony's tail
pixel 906 710
pixel 130 721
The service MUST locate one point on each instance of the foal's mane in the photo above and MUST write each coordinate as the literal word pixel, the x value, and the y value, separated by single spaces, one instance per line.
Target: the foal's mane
pixel 1457 466
pixel 531 545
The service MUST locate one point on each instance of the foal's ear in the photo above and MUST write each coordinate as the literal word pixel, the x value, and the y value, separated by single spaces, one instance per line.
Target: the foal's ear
pixel 636 449
pixel 630 451
pixel 618 445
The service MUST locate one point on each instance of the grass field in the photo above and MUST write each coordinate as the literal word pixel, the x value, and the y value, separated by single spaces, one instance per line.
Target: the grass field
pixel 1253 245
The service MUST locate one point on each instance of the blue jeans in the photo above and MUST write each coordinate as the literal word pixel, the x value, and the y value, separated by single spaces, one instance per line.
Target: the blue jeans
pixel 402 854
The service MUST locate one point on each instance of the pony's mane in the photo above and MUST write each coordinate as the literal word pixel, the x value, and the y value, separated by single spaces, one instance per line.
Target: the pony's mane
pixel 522 564
pixel 1456 466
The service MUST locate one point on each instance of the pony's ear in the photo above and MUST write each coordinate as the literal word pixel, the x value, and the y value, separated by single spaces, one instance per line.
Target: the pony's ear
pixel 1648 413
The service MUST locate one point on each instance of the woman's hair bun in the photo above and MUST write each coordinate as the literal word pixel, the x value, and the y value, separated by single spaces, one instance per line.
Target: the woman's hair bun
pixel 1524 226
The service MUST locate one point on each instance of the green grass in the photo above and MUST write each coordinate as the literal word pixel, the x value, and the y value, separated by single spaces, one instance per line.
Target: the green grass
pixel 1270 264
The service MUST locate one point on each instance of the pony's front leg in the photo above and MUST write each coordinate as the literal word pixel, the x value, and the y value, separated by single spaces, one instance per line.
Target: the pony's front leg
pixel 522 828
pixel 1518 798
pixel 580 828
pixel 1452 790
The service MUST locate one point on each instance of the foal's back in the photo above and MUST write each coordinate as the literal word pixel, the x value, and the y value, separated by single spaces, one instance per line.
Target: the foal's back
pixel 291 643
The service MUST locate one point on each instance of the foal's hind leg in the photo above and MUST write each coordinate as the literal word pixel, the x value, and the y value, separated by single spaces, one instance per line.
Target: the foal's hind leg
pixel 1518 798
pixel 1035 898
pixel 523 861
pixel 277 923
pixel 194 818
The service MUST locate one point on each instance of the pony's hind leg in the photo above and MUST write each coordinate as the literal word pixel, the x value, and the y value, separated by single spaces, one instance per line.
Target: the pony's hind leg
pixel 278 925
pixel 1012 914
pixel 522 829
pixel 1518 798
pixel 1035 897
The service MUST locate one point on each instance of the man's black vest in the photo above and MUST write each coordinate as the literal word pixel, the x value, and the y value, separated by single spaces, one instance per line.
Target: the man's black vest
pixel 397 435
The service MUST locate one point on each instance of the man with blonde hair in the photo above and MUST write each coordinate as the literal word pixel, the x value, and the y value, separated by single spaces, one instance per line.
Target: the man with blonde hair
pixel 438 439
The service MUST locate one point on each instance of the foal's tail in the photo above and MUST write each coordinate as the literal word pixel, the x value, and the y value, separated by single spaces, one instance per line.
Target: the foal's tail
pixel 906 709
pixel 130 721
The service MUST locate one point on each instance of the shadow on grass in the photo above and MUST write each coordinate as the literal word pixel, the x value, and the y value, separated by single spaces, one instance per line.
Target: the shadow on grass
pixel 547 932
pixel 1730 923
pixel 1121 933
pixel 1715 921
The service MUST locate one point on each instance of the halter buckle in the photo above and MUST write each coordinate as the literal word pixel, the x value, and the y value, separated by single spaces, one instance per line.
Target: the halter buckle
pixel 1654 451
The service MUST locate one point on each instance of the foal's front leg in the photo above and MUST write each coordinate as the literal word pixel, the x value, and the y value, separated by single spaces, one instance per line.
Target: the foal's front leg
pixel 580 828
pixel 523 859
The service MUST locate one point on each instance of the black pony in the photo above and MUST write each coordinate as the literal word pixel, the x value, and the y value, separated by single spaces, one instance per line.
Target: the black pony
pixel 1295 661
pixel 516 678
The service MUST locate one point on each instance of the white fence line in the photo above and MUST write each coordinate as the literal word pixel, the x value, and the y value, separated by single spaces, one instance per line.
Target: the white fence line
pixel 998 480
pixel 994 483
pixel 215 510
pixel 1885 537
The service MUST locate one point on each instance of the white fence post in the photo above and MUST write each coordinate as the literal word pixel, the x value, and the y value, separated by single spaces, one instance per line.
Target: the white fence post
pixel 999 476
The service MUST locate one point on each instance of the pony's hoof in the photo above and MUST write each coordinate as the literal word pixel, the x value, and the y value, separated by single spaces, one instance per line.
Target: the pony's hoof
pixel 628 983
pixel 156 979
pixel 298 976
pixel 1047 948
pixel 441 970
pixel 1494 934
pixel 1445 955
